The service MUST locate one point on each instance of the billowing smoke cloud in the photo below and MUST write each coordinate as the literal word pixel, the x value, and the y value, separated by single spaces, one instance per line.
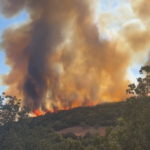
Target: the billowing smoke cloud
pixel 61 58
pixel 141 8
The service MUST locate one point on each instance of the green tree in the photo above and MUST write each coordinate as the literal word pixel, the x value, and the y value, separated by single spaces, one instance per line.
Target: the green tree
pixel 9 114
pixel 83 125
pixel 70 144
pixel 143 86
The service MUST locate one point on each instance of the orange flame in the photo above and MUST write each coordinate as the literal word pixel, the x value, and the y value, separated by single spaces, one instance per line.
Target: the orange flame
pixel 90 104
pixel 37 113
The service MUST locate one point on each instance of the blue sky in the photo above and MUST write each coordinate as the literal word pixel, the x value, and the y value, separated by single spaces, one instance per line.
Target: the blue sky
pixel 4 23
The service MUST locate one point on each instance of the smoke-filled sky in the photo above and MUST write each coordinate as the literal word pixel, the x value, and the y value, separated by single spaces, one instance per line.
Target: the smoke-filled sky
pixel 64 54
pixel 5 23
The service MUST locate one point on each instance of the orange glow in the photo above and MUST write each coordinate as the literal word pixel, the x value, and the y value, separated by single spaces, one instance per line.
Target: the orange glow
pixel 55 111
pixel 75 105
pixel 37 113
pixel 90 104
pixel 66 108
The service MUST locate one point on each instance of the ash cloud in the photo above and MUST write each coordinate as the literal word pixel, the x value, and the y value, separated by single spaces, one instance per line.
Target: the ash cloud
pixel 60 51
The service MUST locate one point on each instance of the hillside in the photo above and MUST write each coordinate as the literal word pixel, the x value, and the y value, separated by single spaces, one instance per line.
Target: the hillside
pixel 37 133
pixel 79 131
pixel 93 116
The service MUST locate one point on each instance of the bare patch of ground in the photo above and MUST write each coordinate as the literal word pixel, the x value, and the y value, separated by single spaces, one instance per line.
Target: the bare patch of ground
pixel 79 131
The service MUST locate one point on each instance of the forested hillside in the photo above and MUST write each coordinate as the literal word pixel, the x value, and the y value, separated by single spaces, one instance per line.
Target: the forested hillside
pixel 100 115
pixel 130 132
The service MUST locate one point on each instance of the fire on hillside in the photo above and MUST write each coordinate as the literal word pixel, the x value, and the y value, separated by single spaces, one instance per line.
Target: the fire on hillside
pixel 40 113
pixel 63 57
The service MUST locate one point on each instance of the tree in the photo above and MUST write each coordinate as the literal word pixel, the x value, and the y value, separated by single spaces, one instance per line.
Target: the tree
pixel 10 113
pixel 87 135
pixel 70 135
pixel 143 86
pixel 70 144
pixel 96 126
pixel 83 125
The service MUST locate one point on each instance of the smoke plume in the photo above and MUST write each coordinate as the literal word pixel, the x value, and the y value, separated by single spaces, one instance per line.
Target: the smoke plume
pixel 61 58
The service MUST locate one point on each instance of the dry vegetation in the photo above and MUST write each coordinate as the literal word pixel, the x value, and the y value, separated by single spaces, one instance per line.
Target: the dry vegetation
pixel 79 131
